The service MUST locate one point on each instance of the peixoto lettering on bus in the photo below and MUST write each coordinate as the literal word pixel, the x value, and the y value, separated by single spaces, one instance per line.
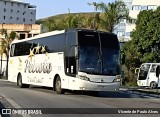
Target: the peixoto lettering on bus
pixel 33 67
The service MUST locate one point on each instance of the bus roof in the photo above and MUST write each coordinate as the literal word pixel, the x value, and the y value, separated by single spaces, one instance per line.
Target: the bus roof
pixel 151 63
pixel 41 35
pixel 57 32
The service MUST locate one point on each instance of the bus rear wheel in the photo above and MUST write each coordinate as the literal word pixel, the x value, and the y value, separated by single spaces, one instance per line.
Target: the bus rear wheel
pixel 19 81
pixel 20 84
pixel 153 85
pixel 58 87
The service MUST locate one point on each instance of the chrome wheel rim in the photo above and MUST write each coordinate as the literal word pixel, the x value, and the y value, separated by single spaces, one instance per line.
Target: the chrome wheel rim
pixel 58 85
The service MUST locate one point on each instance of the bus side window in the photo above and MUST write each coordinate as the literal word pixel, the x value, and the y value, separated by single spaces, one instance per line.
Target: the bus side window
pixel 145 67
pixel 16 51
pixel 70 61
pixel 153 69
pixel 12 50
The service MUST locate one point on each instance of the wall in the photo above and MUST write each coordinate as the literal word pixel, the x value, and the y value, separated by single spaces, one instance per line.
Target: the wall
pixel 17 12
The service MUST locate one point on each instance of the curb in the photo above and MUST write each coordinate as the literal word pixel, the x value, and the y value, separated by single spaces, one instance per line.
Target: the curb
pixel 142 91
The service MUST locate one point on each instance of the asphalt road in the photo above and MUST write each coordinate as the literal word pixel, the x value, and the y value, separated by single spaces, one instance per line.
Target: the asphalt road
pixel 72 103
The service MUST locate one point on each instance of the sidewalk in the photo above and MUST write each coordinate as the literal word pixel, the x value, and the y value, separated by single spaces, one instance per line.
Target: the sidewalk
pixel 4 80
pixel 140 90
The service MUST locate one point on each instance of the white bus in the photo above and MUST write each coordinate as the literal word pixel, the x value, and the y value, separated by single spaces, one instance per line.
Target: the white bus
pixel 147 75
pixel 74 59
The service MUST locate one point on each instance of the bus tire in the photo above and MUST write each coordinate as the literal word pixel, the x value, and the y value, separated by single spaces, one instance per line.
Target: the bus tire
pixel 58 87
pixel 19 81
pixel 153 85
pixel 20 84
pixel 26 85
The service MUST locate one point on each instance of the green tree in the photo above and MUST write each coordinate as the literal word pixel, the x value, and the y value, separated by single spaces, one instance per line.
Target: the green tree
pixel 51 24
pixel 95 19
pixel 131 59
pixel 5 44
pixel 72 21
pixel 146 37
pixel 144 46
pixel 112 13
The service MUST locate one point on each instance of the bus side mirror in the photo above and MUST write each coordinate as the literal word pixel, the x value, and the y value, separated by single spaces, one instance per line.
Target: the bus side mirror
pixel 76 49
pixel 157 71
pixel 136 71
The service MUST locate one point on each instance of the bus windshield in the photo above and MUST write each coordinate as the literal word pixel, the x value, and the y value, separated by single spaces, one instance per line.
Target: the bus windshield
pixel 143 71
pixel 98 53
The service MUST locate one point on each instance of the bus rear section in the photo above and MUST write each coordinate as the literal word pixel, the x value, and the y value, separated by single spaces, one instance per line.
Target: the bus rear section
pixel 147 75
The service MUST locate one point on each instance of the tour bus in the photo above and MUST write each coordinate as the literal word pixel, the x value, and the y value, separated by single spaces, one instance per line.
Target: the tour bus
pixel 147 75
pixel 71 59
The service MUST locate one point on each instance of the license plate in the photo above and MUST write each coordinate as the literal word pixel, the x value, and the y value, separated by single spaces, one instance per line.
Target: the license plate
pixel 101 86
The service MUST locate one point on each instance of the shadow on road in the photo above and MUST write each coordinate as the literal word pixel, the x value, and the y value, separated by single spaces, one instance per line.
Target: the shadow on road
pixel 127 93
pixel 106 94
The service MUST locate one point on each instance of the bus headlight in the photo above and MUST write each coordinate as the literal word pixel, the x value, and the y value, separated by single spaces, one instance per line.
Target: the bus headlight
pixel 83 77
pixel 117 79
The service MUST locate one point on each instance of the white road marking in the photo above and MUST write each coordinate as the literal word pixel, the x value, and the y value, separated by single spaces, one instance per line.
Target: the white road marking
pixel 13 103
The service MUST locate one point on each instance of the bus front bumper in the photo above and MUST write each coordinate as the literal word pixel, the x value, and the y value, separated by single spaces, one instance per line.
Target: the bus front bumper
pixel 142 83
pixel 94 86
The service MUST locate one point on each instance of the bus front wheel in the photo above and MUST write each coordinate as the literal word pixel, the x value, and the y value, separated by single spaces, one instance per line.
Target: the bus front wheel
pixel 153 85
pixel 58 87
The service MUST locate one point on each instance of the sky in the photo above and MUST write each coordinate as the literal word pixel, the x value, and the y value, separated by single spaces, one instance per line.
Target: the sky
pixel 46 8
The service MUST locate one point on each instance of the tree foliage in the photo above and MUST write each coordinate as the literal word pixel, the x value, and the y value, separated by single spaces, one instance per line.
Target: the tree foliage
pixel 145 43
pixel 112 13
pixel 73 21
pixel 51 24
pixel 146 37
pixel 5 44
pixel 8 38
pixel 95 20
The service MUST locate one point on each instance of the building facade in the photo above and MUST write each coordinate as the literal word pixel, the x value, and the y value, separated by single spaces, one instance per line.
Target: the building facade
pixel 23 30
pixel 17 12
pixel 124 28
pixel 18 16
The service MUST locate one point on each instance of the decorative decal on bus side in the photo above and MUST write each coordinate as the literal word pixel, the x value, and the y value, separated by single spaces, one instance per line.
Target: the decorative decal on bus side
pixel 43 49
pixel 37 48
pixel 32 67
pixel 31 53
pixel 35 79
pixel 38 67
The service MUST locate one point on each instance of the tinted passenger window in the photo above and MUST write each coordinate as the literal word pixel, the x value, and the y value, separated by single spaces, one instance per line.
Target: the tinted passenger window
pixel 22 48
pixel 70 61
pixel 153 68
pixel 53 43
